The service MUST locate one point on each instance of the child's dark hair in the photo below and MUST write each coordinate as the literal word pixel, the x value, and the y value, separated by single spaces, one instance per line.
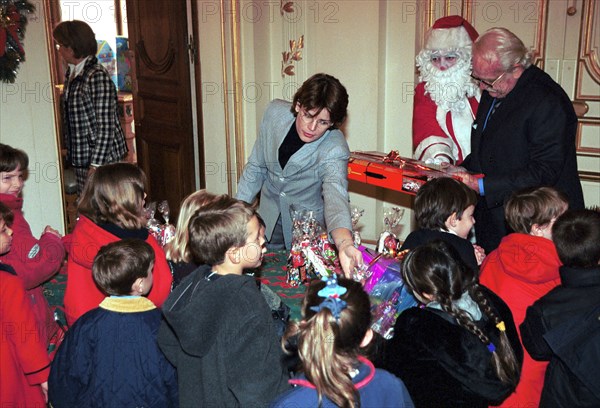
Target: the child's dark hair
pixel 438 199
pixel 576 235
pixel 218 226
pixel 534 206
pixel 119 264
pixel 11 158
pixel 323 91
pixel 6 214
pixel 114 194
pixel 436 269
pixel 328 347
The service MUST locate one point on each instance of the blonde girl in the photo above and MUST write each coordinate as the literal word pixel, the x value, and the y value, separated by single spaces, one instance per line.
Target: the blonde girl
pixel 177 250
pixel 334 329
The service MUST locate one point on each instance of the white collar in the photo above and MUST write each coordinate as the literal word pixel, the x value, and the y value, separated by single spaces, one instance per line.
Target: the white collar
pixel 76 69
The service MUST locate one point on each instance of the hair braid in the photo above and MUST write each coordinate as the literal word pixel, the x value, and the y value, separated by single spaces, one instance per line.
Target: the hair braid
pixel 464 319
pixel 504 360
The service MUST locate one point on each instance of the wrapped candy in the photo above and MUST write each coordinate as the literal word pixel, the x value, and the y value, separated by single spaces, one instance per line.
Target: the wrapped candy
pixel 311 252
pixel 355 214
pixel 153 225
pixel 163 232
pixel 388 243
pixel 361 273
pixel 167 232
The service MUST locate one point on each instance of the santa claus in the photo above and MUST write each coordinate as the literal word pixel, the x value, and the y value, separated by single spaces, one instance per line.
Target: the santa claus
pixel 446 98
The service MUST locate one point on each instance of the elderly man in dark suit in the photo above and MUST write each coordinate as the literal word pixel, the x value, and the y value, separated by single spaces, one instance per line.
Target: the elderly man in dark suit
pixel 523 135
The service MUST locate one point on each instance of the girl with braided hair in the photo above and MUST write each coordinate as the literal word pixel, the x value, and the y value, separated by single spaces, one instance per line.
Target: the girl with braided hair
pixel 462 348
pixel 334 330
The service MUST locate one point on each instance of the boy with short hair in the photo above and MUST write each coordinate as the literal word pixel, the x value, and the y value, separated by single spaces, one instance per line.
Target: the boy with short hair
pixel 117 340
pixel 218 330
pixel 562 326
pixel 444 210
pixel 523 268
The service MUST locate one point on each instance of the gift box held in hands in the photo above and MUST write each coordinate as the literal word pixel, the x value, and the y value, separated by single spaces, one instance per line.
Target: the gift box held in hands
pixel 387 291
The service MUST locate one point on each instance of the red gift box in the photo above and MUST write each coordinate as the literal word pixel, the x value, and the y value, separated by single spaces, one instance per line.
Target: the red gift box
pixel 395 172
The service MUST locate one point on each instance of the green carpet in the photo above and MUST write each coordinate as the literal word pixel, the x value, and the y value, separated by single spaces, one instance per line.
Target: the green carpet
pixel 272 273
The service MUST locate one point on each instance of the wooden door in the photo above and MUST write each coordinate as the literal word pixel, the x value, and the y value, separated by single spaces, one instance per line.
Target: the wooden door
pixel 162 98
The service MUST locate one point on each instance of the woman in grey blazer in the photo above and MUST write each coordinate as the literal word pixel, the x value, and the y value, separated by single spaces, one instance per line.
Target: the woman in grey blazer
pixel 301 158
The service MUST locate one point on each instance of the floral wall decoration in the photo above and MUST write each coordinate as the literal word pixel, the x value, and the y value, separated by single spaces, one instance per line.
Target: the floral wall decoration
pixel 294 54
pixel 13 20
pixel 290 57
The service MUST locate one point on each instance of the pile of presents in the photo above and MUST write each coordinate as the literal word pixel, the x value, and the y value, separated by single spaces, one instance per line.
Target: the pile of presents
pixel 313 256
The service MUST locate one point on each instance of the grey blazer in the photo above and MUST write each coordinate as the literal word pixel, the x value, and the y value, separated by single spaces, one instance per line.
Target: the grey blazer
pixel 315 177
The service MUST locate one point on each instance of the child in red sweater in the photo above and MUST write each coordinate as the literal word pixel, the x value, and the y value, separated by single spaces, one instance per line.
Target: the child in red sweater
pixel 111 208
pixel 524 268
pixel 35 261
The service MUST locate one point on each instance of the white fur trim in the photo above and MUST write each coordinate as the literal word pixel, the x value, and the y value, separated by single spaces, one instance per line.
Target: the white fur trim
pixel 461 124
pixel 433 146
pixel 448 38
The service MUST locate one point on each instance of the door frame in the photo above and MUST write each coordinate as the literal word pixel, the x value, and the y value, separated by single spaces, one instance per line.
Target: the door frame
pixel 52 8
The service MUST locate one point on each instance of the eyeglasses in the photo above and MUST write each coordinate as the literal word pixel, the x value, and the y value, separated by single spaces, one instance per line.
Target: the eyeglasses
pixel 486 83
pixel 308 119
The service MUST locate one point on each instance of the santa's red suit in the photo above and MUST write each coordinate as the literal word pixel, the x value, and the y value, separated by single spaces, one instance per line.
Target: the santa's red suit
pixel 437 131
pixel 446 99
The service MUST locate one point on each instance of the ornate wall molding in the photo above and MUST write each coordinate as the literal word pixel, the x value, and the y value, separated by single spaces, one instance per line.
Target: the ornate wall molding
pixel 163 64
pixel 589 48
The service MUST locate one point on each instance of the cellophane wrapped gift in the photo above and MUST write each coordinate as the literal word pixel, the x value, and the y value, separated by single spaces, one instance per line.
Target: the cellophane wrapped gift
pixel 163 232
pixel 388 243
pixel 167 232
pixel 153 225
pixel 311 252
pixel 387 291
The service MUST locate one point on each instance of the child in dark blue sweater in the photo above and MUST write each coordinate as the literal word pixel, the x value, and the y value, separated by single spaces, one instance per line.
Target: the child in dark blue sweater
pixel 110 356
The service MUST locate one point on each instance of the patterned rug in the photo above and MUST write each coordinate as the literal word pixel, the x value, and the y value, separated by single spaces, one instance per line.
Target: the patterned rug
pixel 272 273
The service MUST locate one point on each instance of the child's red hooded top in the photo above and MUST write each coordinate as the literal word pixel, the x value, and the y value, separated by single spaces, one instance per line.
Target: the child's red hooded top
pixel 35 262
pixel 521 270
pixel 83 244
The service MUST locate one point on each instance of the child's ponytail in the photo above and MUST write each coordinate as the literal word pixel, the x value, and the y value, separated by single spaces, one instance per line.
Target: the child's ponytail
pixel 327 370
pixel 336 318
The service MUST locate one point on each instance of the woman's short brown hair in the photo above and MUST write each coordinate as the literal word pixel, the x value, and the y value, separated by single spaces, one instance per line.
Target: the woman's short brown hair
pixel 322 91
pixel 78 36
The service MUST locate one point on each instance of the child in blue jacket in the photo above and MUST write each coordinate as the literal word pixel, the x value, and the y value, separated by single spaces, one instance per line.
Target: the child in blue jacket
pixel 110 356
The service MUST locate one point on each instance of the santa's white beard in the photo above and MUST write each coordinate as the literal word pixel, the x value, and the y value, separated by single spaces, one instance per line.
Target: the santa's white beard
pixel 449 88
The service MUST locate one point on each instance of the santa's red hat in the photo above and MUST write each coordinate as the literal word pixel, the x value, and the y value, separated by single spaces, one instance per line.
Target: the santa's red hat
pixel 450 32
